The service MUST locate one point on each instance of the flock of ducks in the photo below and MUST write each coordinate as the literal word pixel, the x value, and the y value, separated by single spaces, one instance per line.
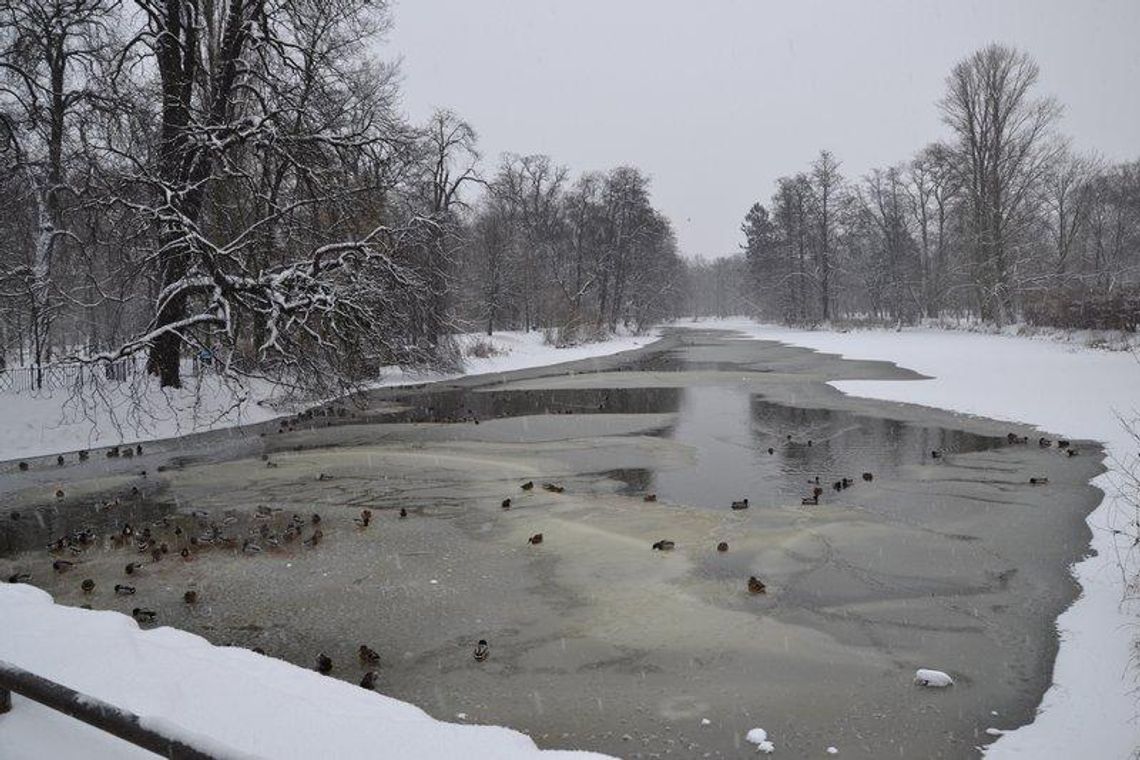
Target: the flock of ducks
pixel 187 537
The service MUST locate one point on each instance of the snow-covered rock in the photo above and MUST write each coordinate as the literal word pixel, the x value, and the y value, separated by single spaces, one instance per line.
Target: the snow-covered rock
pixel 933 678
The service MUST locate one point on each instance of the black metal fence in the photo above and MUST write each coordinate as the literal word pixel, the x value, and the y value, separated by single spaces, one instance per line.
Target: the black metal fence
pixel 57 377
pixel 94 712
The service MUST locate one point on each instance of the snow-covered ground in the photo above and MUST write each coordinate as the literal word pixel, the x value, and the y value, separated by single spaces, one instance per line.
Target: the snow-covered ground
pixel 1068 389
pixel 34 424
pixel 232 702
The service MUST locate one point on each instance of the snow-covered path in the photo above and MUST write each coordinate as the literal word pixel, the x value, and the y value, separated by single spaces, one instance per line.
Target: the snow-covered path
pixel 35 424
pixel 1091 709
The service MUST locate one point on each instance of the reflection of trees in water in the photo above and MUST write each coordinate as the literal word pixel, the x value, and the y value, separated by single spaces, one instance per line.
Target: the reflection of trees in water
pixel 846 443
pixel 460 404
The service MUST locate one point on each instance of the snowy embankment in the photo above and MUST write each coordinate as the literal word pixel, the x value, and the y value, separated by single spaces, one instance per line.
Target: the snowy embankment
pixel 230 701
pixel 35 424
pixel 1091 708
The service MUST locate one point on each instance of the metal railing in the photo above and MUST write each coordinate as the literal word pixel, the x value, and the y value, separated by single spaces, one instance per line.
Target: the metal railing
pixel 94 712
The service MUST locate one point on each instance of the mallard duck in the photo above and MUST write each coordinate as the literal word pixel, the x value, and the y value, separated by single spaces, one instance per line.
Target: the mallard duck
pixel 59 460
pixel 88 585
pixel 315 519
pixel 19 578
pixel 536 539
pixel 816 493
pixel 138 449
pixel 1039 481
pixel 1014 438
pixel 112 452
pixel 722 546
pixel 62 565
pixel 324 476
pixel 132 567
pixel 771 451
pixel 185 553
pixel 271 465
pixel 1071 452
pixel 651 497
pixel 527 486
pixel 369 680
pixel 190 597
pixel 83 455
pixel 935 454
pixel 553 488
pixel 665 545
pixel 59 493
pixel 1044 442
pixel 128 452
pixel 156 554
pixel 482 650
pixel 847 482
pixel 123 589
pixel 368 655
pixel 365 518
pixel 755 586
pixel 868 477
pixel 837 485
pixel 249 547
pixel 1063 444
pixel 143 615
pixel 403 513
pixel 324 664
pixel 742 504
pixel 809 501
pixel 505 504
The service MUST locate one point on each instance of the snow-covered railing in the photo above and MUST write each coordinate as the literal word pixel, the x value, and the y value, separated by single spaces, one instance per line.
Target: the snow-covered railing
pixel 94 712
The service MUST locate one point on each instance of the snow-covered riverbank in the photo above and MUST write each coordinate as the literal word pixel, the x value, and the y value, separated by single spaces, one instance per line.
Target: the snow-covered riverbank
pixel 35 424
pixel 1063 388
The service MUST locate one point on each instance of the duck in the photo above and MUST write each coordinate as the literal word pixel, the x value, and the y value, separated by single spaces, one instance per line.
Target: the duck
pixel 156 554
pixel 19 578
pixel 482 651
pixel 112 452
pixel 368 655
pixel 315 519
pixel 143 615
pixel 528 486
pixel 837 485
pixel 1014 438
pixel 59 493
pixel 756 586
pixel 128 452
pixel 722 546
pixel 1071 452
pixel 365 518
pixel 1044 442
pixel 771 451
pixel 369 680
pixel 816 493
pixel 1063 444
pixel 650 497
pixel 868 477
pixel 59 460
pixel 742 504
pixel 324 664
pixel 190 597
pixel 249 547
pixel 271 465
pixel 62 565
pixel 847 482
pixel 185 553
pixel 809 501
pixel 1039 481
pixel 324 476
pixel 132 567
pixel 665 545
pixel 506 504
pixel 553 487
pixel 138 449
pixel 536 539
pixel 83 455
pixel 935 454
pixel 403 513
pixel 123 589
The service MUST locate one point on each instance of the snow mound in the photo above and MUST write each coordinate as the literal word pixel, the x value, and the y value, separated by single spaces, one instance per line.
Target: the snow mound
pixel 239 703
pixel 759 737
pixel 933 678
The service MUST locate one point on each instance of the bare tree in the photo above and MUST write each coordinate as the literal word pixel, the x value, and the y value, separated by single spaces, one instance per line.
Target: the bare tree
pixel 1002 150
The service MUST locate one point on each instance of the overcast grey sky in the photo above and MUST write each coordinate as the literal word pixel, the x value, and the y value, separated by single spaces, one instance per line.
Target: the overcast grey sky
pixel 716 99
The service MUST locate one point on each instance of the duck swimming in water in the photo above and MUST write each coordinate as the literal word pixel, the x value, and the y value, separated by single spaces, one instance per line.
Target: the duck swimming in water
pixel 190 597
pixel 506 504
pixel 755 586
pixel 369 680
pixel 722 546
pixel 665 545
pixel 123 589
pixel 143 615
pixel 650 497
pixel 482 651
pixel 88 586
pixel 553 487
pixel 368 655
pixel 868 477
pixel 742 504
pixel 324 664
pixel 536 539
pixel 527 486
pixel 1039 481
pixel 403 513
